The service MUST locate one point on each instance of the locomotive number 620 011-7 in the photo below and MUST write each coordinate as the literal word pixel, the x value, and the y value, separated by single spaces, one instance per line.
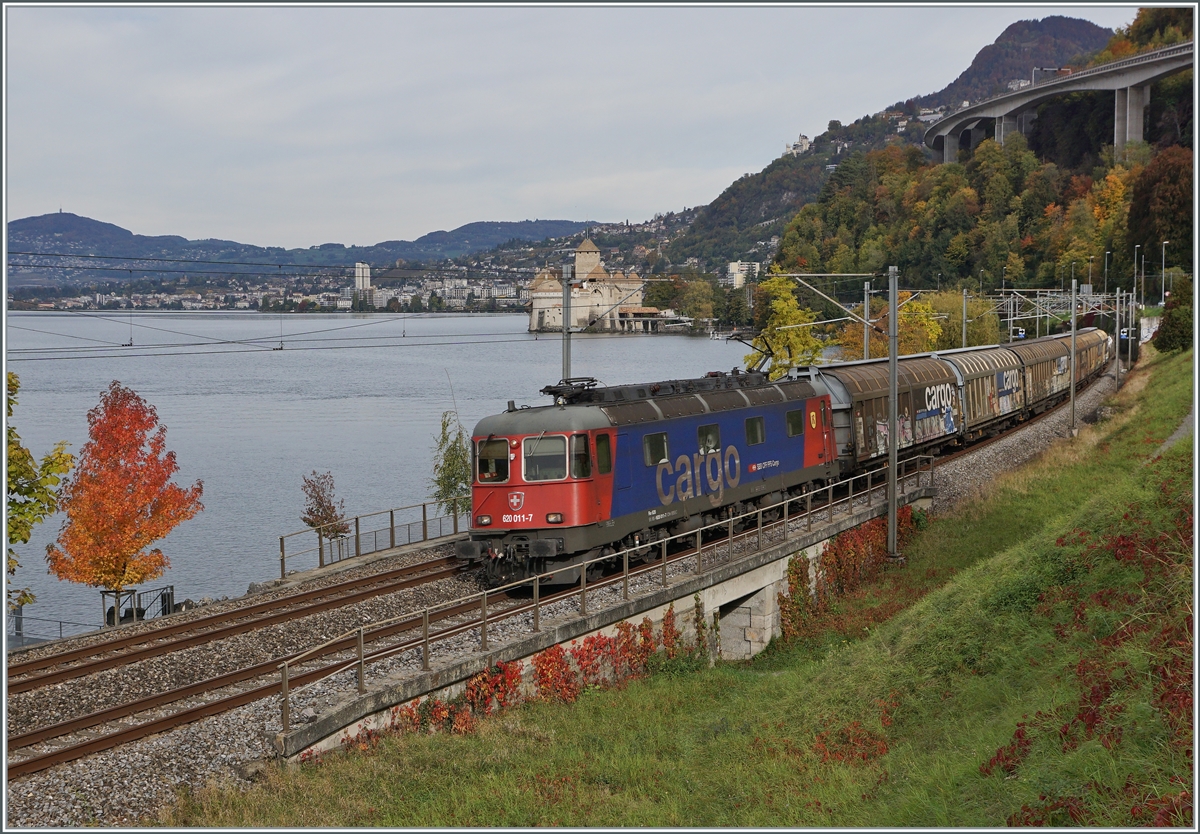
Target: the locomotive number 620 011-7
pixel 516 518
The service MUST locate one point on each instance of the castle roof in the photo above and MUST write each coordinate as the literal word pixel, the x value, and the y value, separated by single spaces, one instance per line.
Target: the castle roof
pixel 587 246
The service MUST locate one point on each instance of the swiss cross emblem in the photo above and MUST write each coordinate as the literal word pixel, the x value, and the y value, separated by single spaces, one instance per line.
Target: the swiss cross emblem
pixel 516 500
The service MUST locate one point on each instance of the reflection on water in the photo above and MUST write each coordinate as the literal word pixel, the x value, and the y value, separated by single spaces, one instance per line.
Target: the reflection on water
pixel 360 396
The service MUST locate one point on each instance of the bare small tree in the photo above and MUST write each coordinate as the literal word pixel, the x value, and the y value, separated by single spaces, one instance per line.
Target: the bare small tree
pixel 321 510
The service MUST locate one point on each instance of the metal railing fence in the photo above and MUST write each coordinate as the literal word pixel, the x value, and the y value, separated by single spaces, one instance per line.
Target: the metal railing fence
pixel 43 628
pixel 868 484
pixel 343 539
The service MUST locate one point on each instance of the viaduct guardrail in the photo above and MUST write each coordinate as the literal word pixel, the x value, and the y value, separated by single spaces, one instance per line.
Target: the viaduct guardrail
pixel 788 510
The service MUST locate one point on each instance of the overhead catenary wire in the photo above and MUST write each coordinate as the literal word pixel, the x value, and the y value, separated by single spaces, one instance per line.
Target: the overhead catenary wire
pixel 405 344
pixel 248 341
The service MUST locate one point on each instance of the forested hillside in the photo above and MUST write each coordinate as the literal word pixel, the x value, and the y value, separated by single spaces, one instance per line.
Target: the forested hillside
pixel 1003 215
pixel 1023 214
pixel 753 209
pixel 739 222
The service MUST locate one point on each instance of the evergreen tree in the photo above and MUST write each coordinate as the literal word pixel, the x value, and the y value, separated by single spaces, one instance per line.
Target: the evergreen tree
pixel 1175 330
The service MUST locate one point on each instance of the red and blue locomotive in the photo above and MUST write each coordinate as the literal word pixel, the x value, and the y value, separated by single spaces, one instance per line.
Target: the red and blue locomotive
pixel 603 469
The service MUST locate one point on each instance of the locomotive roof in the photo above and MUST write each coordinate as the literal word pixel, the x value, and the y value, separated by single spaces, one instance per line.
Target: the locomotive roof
pixel 584 389
pixel 581 405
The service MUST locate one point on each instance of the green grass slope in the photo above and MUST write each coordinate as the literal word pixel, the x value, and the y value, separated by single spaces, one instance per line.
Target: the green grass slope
pixel 1031 664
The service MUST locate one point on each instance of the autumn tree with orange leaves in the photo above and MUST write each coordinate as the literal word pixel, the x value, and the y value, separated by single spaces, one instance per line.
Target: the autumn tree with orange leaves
pixel 121 498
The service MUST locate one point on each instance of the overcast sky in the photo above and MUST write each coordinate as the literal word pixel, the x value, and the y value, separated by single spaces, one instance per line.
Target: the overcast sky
pixel 305 125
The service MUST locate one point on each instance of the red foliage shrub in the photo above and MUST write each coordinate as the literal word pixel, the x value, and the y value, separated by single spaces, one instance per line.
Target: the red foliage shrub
pixel 1009 757
pixel 850 561
pixel 555 679
pixel 851 743
pixel 670 633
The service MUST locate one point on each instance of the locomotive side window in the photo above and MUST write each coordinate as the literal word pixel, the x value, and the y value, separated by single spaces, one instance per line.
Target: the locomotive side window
pixel 581 459
pixel 493 461
pixel 545 458
pixel 755 433
pixel 654 449
pixel 795 423
pixel 709 438
pixel 603 454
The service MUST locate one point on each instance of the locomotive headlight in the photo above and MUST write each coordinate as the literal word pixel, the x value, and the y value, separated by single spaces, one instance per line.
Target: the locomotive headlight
pixel 554 518
pixel 483 521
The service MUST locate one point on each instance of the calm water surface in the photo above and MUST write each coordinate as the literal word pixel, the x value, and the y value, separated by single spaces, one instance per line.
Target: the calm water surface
pixel 360 396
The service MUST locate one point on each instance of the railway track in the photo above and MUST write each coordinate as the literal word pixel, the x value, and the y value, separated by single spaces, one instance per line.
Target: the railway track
pixel 23 677
pixel 223 703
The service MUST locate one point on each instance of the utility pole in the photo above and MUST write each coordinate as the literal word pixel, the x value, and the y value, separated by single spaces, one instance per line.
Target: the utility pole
pixel 1143 284
pixel 1074 431
pixel 1131 305
pixel 1106 254
pixel 866 318
pixel 566 326
pixel 893 396
pixel 1118 335
pixel 1162 276
pixel 964 317
pixel 1133 289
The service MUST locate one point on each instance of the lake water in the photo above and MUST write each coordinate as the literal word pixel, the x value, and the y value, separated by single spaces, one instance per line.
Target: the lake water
pixel 358 395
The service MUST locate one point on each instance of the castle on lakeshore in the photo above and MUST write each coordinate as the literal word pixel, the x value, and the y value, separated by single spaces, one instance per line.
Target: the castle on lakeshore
pixel 600 300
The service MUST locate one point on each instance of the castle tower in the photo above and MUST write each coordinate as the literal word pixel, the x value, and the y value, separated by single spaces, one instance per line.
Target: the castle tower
pixel 587 258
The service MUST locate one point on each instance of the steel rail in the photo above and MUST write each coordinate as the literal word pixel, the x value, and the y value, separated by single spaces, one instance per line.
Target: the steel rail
pixel 62 755
pixel 346 593
pixel 119 642
pixel 347 642
pixel 190 715
pixel 228 679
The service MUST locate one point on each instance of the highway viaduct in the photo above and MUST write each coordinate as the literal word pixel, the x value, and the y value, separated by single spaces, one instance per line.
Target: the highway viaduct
pixel 1129 78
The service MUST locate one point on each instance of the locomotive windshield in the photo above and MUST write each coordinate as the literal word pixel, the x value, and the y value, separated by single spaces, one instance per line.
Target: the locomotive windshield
pixel 493 461
pixel 545 458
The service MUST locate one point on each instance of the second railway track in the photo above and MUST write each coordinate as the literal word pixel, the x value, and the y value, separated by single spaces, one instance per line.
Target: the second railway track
pixel 23 677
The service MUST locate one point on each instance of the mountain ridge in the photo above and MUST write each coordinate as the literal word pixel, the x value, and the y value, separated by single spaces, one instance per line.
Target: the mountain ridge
pixel 1050 41
pixel 68 233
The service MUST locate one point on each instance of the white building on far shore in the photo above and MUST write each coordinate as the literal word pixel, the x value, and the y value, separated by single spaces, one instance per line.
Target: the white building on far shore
pixel 599 299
